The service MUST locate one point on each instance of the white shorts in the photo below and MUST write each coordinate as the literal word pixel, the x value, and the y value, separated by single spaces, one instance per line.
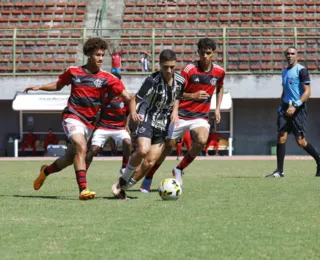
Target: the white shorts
pixel 100 136
pixel 178 131
pixel 73 126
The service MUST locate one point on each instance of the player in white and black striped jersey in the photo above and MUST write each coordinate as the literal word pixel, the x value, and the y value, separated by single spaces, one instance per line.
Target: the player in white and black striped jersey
pixel 161 91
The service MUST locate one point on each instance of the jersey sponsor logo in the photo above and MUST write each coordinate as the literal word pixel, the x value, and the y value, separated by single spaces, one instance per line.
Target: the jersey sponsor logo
pixel 122 105
pixel 78 80
pixel 98 83
pixel 197 80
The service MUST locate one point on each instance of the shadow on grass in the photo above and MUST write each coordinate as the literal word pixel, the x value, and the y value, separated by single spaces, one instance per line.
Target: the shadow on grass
pixel 40 197
pixel 241 177
pixel 114 198
pixel 138 190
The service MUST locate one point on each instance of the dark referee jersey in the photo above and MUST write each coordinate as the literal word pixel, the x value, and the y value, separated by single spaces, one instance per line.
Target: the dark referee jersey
pixel 160 98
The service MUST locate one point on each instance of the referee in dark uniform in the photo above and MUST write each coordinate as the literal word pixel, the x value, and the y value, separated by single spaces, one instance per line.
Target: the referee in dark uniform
pixel 292 114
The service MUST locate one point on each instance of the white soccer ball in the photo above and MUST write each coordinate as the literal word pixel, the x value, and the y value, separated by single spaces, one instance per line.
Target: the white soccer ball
pixel 170 189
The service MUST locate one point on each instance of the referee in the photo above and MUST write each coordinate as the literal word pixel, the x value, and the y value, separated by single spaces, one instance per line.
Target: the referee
pixel 292 113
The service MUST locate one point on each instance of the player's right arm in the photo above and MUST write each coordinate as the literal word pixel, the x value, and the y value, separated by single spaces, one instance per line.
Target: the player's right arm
pixel 64 80
pixel 53 86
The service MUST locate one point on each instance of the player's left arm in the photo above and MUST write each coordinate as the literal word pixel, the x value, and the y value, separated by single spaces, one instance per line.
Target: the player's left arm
pixel 305 81
pixel 219 96
pixel 174 114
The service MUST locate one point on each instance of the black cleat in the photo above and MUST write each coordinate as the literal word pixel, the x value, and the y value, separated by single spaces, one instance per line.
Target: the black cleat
pixel 318 171
pixel 275 174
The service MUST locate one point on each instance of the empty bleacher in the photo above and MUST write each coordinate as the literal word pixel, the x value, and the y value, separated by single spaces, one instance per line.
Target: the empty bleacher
pixel 40 36
pixel 253 34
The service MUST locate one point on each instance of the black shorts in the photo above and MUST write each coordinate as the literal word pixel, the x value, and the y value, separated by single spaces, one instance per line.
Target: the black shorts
pixel 295 124
pixel 156 135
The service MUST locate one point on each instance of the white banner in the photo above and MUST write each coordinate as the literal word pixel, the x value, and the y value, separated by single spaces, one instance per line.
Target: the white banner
pixel 40 102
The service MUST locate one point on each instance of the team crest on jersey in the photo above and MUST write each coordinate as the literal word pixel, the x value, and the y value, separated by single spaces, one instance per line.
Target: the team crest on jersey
pixel 213 81
pixel 98 83
pixel 142 130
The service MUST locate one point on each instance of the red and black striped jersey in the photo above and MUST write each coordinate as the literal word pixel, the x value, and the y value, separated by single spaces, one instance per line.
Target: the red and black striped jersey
pixel 87 93
pixel 197 79
pixel 113 114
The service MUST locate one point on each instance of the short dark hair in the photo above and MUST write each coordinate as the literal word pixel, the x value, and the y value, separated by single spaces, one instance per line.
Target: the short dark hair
pixel 49 128
pixel 116 74
pixel 207 43
pixel 291 47
pixel 94 44
pixel 167 55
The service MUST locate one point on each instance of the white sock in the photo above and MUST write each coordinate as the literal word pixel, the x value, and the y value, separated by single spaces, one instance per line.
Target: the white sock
pixel 131 183
pixel 128 172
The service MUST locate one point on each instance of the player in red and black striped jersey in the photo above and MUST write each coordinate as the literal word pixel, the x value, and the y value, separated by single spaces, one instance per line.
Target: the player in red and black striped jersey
pixel 202 79
pixel 89 85
pixel 112 123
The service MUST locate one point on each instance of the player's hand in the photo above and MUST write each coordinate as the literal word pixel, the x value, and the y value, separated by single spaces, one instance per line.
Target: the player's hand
pixel 217 116
pixel 201 94
pixel 290 111
pixel 174 119
pixel 126 127
pixel 136 118
pixel 34 88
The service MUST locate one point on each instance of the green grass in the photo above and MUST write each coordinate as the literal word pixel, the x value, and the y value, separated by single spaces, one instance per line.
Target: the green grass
pixel 228 210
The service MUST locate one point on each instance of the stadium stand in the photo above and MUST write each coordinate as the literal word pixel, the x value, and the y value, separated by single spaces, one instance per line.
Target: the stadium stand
pixel 40 36
pixel 45 37
pixel 256 31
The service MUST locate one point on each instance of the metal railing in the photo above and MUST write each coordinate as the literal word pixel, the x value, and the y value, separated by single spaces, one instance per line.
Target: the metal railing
pixel 233 45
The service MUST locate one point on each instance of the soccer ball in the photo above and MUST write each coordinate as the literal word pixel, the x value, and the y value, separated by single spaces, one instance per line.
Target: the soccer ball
pixel 170 189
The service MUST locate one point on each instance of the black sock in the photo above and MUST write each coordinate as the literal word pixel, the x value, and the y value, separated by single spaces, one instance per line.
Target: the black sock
pixel 281 152
pixel 310 150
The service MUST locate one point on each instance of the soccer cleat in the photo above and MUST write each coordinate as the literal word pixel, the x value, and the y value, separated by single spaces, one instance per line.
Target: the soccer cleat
pixel 122 171
pixel 177 174
pixel 87 195
pixel 318 171
pixel 118 191
pixel 275 174
pixel 178 158
pixel 145 186
pixel 40 179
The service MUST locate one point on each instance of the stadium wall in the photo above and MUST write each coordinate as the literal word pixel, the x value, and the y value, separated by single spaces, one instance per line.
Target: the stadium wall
pixel 255 100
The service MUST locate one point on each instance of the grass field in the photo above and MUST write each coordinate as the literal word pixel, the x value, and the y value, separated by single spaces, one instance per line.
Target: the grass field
pixel 228 210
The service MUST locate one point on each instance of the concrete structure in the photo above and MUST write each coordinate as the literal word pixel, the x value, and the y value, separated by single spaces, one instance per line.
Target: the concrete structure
pixel 255 101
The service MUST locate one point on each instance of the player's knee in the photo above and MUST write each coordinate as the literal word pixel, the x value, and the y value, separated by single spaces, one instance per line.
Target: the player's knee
pixel 94 149
pixel 81 149
pixel 142 151
pixel 126 142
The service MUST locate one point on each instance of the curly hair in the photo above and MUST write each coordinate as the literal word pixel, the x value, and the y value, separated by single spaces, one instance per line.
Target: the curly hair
pixel 94 44
pixel 207 43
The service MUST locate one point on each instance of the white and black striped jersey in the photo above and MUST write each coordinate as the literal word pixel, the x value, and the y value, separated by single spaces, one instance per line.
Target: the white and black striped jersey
pixel 160 98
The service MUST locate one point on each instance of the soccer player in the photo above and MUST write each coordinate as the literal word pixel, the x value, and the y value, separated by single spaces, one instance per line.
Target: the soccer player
pixel 29 141
pixel 160 92
pixel 213 139
pixel 112 124
pixel 50 139
pixel 89 84
pixel 292 113
pixel 186 139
